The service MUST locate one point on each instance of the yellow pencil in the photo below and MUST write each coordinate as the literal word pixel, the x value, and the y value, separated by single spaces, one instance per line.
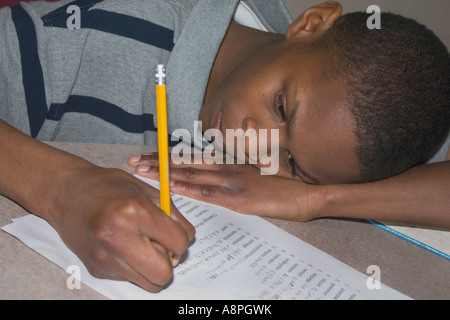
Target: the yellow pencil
pixel 163 141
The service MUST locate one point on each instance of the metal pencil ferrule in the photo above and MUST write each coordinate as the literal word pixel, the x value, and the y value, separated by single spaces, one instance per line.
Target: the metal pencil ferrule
pixel 160 76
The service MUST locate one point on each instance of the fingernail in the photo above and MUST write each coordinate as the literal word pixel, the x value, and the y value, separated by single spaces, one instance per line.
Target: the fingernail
pixel 135 158
pixel 143 168
pixel 175 259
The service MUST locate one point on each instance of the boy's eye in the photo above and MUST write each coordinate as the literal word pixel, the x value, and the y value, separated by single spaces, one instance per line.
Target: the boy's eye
pixel 280 107
pixel 292 165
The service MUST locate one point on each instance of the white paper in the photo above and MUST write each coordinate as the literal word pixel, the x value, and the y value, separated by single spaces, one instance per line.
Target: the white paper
pixel 234 256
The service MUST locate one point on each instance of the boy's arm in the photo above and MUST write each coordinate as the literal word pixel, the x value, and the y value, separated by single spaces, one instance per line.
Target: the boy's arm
pixel 99 213
pixel 420 195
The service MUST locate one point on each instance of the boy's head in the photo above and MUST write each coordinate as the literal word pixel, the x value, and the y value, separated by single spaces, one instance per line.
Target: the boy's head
pixel 351 104
pixel 398 86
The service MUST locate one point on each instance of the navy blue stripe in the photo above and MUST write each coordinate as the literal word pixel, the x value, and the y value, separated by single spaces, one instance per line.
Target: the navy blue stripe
pixel 129 27
pixel 106 111
pixel 32 75
pixel 116 23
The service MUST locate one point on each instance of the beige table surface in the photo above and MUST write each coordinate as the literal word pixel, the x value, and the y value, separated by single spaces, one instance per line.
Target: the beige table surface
pixel 410 269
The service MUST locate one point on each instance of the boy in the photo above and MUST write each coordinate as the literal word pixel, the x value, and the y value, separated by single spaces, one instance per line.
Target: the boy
pixel 348 125
pixel 101 213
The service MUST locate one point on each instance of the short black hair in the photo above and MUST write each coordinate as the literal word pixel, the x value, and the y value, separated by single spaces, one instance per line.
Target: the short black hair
pixel 398 86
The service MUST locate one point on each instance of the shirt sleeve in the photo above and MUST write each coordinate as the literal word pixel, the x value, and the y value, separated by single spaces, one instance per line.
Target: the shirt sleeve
pixel 12 96
pixel 442 153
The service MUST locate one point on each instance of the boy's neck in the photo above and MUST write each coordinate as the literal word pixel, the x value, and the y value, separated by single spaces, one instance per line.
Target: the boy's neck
pixel 239 43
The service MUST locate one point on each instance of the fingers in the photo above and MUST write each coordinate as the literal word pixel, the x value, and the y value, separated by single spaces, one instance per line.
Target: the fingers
pixel 152 268
pixel 163 221
pixel 186 174
pixel 173 233
pixel 216 183
pixel 214 174
pixel 208 193
pixel 152 160
pixel 185 224
pixel 147 265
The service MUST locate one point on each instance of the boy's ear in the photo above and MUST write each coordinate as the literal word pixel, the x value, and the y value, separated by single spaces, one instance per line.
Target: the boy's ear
pixel 315 19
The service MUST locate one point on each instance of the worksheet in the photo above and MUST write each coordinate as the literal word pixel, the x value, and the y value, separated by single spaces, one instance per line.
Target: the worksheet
pixel 234 256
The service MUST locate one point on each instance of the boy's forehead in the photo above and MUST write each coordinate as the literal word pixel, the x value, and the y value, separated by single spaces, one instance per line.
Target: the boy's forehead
pixel 323 136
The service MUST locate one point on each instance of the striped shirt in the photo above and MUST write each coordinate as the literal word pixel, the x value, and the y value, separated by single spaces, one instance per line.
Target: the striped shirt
pixel 96 83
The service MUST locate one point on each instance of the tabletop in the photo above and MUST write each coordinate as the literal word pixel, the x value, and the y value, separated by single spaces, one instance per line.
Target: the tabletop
pixel 404 266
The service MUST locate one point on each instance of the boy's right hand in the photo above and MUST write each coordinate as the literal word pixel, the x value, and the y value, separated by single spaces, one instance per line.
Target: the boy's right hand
pixel 113 223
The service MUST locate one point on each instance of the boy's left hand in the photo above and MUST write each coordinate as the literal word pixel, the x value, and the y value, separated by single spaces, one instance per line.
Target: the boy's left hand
pixel 239 187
